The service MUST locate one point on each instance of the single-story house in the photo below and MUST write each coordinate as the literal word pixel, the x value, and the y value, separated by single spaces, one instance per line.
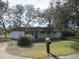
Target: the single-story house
pixel 36 32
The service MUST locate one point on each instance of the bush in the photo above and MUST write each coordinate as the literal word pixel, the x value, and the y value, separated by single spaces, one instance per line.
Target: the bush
pixel 23 42
pixel 67 34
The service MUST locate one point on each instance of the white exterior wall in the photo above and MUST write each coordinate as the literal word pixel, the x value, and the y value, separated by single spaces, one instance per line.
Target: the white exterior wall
pixel 17 34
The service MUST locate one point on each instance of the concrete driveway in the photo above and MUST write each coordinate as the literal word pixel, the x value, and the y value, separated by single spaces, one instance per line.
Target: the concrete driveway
pixel 74 56
pixel 5 55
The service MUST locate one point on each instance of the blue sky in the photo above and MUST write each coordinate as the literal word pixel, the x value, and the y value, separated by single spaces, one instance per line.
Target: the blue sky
pixel 42 4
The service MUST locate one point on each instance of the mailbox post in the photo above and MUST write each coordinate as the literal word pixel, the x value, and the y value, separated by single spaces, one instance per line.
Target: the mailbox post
pixel 48 42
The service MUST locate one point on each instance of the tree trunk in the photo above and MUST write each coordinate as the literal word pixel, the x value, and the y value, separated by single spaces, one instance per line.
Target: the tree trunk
pixel 49 24
pixel 5 34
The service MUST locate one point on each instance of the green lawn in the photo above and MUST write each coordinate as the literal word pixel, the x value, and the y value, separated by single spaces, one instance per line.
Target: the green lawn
pixel 38 50
pixel 2 38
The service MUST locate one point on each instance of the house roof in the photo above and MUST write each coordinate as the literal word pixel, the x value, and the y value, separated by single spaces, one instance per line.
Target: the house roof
pixel 31 29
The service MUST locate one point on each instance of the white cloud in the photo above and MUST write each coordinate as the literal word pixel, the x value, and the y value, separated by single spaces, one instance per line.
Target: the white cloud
pixel 43 4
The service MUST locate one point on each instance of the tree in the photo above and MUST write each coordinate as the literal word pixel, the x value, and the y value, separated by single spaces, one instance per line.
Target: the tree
pixel 3 10
pixel 29 14
pixel 65 12
pixel 16 16
pixel 61 12
pixel 36 18
pixel 48 14
pixel 74 5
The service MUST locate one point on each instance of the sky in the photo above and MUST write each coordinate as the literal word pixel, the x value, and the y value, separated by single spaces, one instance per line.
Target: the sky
pixel 42 4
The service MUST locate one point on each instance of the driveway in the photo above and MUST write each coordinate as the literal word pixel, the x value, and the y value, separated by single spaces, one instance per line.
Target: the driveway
pixel 5 55
pixel 75 56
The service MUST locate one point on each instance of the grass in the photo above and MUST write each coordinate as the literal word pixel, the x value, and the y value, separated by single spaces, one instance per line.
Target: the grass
pixel 2 38
pixel 38 50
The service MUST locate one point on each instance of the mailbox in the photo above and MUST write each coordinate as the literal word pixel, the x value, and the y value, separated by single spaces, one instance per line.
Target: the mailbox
pixel 48 42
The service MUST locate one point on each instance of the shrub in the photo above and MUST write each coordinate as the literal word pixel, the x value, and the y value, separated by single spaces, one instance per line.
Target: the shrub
pixel 23 42
pixel 67 34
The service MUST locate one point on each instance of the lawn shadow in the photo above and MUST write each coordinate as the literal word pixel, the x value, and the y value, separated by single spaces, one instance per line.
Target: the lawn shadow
pixel 75 45
pixel 53 55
